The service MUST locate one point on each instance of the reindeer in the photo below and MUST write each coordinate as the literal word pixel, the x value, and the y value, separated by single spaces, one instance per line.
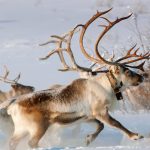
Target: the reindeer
pixel 17 89
pixel 82 100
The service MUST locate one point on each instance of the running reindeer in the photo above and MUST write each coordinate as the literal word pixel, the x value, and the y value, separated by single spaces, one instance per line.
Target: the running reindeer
pixel 17 88
pixel 82 100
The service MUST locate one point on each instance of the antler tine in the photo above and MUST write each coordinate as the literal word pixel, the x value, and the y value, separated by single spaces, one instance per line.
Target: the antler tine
pixel 107 28
pixel 140 57
pixel 48 42
pixel 52 52
pixel 129 51
pixel 54 40
pixel 84 28
pixel 129 54
pixel 6 72
pixel 75 67
pixel 113 56
pixel 140 66
pixel 60 38
pixel 17 78
pixel 58 50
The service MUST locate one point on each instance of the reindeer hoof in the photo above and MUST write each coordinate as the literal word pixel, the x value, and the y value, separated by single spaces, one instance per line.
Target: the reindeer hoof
pixel 136 137
pixel 89 139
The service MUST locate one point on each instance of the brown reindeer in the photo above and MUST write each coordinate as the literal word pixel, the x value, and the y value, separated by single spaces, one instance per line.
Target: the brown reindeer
pixel 17 89
pixel 82 100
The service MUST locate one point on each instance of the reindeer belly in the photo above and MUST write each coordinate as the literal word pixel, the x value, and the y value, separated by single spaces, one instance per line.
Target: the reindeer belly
pixel 66 118
pixel 81 106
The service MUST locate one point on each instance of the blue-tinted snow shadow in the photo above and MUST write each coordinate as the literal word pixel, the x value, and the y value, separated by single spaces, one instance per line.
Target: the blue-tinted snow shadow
pixel 8 21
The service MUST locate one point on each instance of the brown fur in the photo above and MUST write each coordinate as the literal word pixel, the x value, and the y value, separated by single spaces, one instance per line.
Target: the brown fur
pixel 65 95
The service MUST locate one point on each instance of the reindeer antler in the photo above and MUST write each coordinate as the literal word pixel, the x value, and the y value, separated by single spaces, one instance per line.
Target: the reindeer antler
pixel 58 49
pixel 84 28
pixel 99 58
pixel 131 53
pixel 6 80
pixel 67 39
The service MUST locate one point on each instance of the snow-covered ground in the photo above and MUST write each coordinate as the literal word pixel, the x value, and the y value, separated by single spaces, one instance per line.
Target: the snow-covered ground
pixel 26 24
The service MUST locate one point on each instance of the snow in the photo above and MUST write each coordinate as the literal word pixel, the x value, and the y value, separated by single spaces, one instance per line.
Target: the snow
pixel 26 24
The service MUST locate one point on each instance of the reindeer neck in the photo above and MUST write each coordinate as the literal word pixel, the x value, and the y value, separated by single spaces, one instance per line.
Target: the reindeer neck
pixel 5 95
pixel 2 96
pixel 103 81
pixel 115 84
pixel 11 94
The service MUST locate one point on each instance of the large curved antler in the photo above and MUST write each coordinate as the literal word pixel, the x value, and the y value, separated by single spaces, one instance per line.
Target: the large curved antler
pixel 66 38
pixel 59 50
pixel 84 28
pixel 99 58
pixel 107 28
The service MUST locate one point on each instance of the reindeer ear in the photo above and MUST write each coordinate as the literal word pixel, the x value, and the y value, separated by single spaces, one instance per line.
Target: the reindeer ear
pixel 13 86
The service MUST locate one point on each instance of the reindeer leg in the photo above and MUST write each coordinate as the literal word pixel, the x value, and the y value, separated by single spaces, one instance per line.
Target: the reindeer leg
pixel 37 134
pixel 17 136
pixel 106 118
pixel 91 137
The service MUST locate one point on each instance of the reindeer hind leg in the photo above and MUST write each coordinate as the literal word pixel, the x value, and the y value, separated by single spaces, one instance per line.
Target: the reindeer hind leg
pixel 91 137
pixel 37 134
pixel 15 139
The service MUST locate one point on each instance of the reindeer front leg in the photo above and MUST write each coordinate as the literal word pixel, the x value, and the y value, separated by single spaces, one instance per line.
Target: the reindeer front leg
pixel 104 117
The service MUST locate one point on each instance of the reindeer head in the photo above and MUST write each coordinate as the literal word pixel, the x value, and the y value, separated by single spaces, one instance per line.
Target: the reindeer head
pixel 126 76
pixel 17 88
pixel 20 89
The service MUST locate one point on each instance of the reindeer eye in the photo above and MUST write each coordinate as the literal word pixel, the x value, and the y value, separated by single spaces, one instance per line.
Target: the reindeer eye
pixel 127 72
pixel 117 70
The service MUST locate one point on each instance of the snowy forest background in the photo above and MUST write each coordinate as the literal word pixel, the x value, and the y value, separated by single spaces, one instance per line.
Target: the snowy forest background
pixel 26 24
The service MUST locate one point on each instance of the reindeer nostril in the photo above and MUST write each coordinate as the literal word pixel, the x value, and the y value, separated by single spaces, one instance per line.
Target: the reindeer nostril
pixel 33 88
pixel 145 75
